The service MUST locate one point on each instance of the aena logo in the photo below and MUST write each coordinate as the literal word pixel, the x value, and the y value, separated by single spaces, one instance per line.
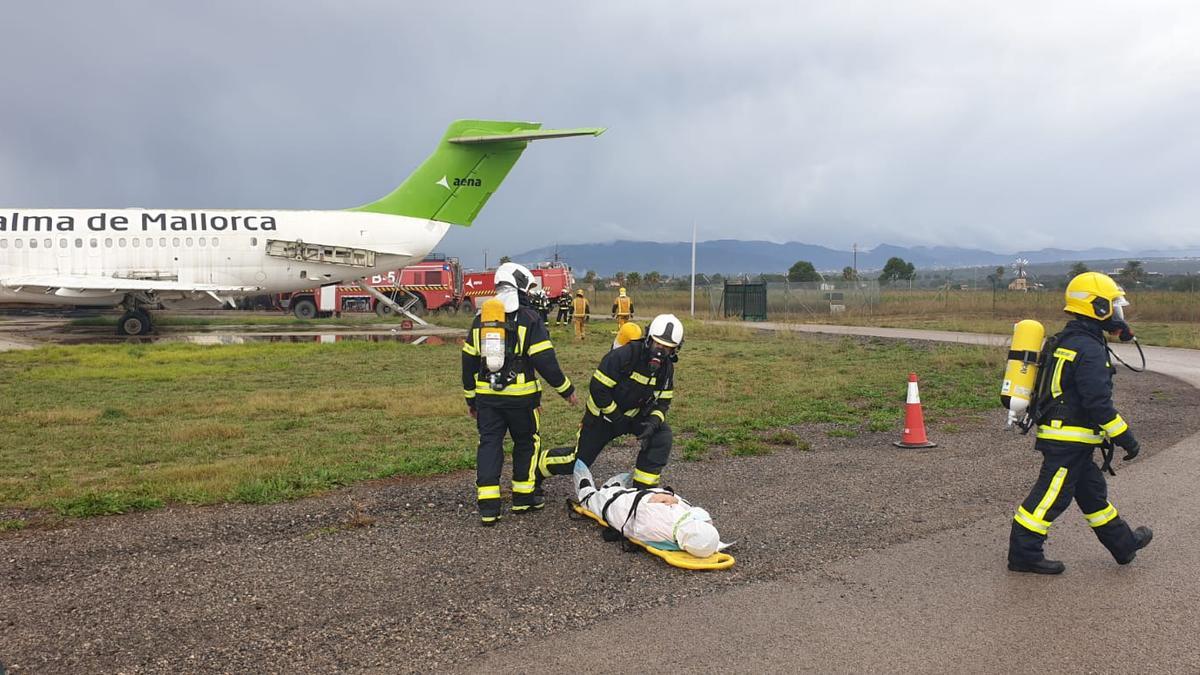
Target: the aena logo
pixel 460 182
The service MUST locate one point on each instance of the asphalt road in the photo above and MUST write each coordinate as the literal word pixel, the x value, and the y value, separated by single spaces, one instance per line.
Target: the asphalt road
pixel 943 603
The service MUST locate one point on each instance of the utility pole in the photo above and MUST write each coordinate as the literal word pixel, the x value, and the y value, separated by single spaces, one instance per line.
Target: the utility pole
pixel 854 247
pixel 485 259
pixel 693 314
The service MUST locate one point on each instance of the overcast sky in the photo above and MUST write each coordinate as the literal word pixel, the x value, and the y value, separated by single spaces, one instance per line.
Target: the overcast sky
pixel 999 125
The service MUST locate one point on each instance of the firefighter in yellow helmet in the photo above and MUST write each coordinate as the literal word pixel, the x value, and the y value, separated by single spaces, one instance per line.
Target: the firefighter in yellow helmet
pixel 622 309
pixel 580 309
pixel 628 333
pixel 1078 416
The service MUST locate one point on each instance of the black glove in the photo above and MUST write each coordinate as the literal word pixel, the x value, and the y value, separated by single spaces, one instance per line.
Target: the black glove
pixel 649 427
pixel 1131 451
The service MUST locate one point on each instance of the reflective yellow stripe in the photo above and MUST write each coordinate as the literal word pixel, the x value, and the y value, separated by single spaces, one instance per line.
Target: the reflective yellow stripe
pixel 631 413
pixel 1101 517
pixel 1051 495
pixel 523 487
pixel 670 393
pixel 604 379
pixel 1115 427
pixel 1056 380
pixel 1069 434
pixel 522 389
pixel 540 347
pixel 1064 353
pixel 470 346
pixel 1026 520
pixel 521 330
pixel 564 386
pixel 638 377
pixel 659 414
pixel 469 393
pixel 644 477
pixel 592 408
pixel 611 407
pixel 487 492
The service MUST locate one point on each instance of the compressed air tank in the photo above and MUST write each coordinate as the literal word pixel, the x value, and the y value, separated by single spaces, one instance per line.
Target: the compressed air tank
pixel 491 334
pixel 1020 374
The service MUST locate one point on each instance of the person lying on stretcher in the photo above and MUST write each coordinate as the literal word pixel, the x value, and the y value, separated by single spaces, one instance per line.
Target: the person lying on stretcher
pixel 655 517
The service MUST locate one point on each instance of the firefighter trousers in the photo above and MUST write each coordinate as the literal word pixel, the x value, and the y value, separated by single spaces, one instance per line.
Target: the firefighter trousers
pixel 579 327
pixel 1068 471
pixel 564 315
pixel 523 425
pixel 595 434
pixel 622 319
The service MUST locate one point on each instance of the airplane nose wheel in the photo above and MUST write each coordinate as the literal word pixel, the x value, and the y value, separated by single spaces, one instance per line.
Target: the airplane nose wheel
pixel 134 322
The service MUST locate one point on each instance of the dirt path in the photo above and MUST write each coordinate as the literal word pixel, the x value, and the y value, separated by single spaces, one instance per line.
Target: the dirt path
pixel 309 585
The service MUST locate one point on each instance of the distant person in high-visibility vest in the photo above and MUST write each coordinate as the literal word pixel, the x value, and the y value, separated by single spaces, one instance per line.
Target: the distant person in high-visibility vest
pixel 622 309
pixel 580 310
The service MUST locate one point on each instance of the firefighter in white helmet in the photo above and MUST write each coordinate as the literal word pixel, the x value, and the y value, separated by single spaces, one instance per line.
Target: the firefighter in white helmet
pixel 630 393
pixel 505 396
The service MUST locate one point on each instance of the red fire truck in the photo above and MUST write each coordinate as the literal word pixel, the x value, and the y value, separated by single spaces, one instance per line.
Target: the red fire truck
pixel 436 281
pixel 555 278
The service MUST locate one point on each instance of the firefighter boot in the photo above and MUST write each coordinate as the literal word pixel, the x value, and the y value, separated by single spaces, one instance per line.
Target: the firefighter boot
pixel 489 512
pixel 1141 539
pixel 528 502
pixel 1042 566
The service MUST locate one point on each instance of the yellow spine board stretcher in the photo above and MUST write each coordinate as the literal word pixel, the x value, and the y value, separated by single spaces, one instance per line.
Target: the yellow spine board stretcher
pixel 683 559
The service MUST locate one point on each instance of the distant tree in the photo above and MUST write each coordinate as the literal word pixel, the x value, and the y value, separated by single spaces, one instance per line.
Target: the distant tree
pixel 1133 272
pixel 999 272
pixel 803 271
pixel 590 277
pixel 620 278
pixel 653 279
pixel 633 279
pixel 505 259
pixel 896 269
pixel 1077 269
pixel 1187 283
pixel 717 278
pixel 848 273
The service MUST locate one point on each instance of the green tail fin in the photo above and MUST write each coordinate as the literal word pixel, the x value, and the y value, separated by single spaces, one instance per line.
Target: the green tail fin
pixel 470 162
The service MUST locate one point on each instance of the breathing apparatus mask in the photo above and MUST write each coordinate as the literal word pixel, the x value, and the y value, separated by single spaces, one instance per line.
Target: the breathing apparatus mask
pixel 1116 322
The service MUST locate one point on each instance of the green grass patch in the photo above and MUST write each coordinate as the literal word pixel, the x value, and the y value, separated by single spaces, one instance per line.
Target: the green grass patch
pixel 13 524
pixel 102 429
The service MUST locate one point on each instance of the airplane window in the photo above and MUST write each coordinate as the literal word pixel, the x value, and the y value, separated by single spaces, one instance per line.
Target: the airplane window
pixel 135 242
pixel 3 243
pixel 189 241
pixel 93 243
pixel 175 241
pixel 108 242
pixel 62 243
pixel 78 243
pixel 303 274
pixel 253 242
pixel 214 242
pixel 18 243
pixel 121 242
pixel 162 242
pixel 33 243
pixel 149 242
pixel 201 241
pixel 47 243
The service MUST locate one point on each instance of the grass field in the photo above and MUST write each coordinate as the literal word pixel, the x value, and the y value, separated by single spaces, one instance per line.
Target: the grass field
pixel 1166 318
pixel 112 428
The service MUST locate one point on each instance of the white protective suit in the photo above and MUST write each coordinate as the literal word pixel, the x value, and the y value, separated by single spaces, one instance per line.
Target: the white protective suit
pixel 670 526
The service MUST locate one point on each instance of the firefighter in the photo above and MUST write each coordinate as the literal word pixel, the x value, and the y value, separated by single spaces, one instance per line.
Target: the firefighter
pixel 564 310
pixel 630 393
pixel 622 309
pixel 540 302
pixel 508 400
pixel 580 310
pixel 1078 418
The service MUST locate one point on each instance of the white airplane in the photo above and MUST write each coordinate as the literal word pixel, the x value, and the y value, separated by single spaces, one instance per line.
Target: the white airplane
pixel 142 259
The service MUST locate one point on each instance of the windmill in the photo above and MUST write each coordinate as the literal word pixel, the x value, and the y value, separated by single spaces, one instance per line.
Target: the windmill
pixel 1020 280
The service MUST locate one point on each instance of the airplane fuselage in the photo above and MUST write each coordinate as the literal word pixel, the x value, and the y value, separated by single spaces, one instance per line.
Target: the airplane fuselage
pixel 209 246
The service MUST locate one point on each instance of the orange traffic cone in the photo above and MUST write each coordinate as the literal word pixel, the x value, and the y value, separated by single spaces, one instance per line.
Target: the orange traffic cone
pixel 914 420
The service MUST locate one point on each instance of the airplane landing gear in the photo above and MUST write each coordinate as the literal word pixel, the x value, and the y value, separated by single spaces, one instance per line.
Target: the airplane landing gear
pixel 134 322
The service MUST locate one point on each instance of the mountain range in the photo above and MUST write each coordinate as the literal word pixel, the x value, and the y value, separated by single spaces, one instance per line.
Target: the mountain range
pixel 732 256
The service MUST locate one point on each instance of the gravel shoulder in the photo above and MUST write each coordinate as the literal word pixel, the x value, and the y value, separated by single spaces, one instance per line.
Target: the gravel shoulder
pixel 398 576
